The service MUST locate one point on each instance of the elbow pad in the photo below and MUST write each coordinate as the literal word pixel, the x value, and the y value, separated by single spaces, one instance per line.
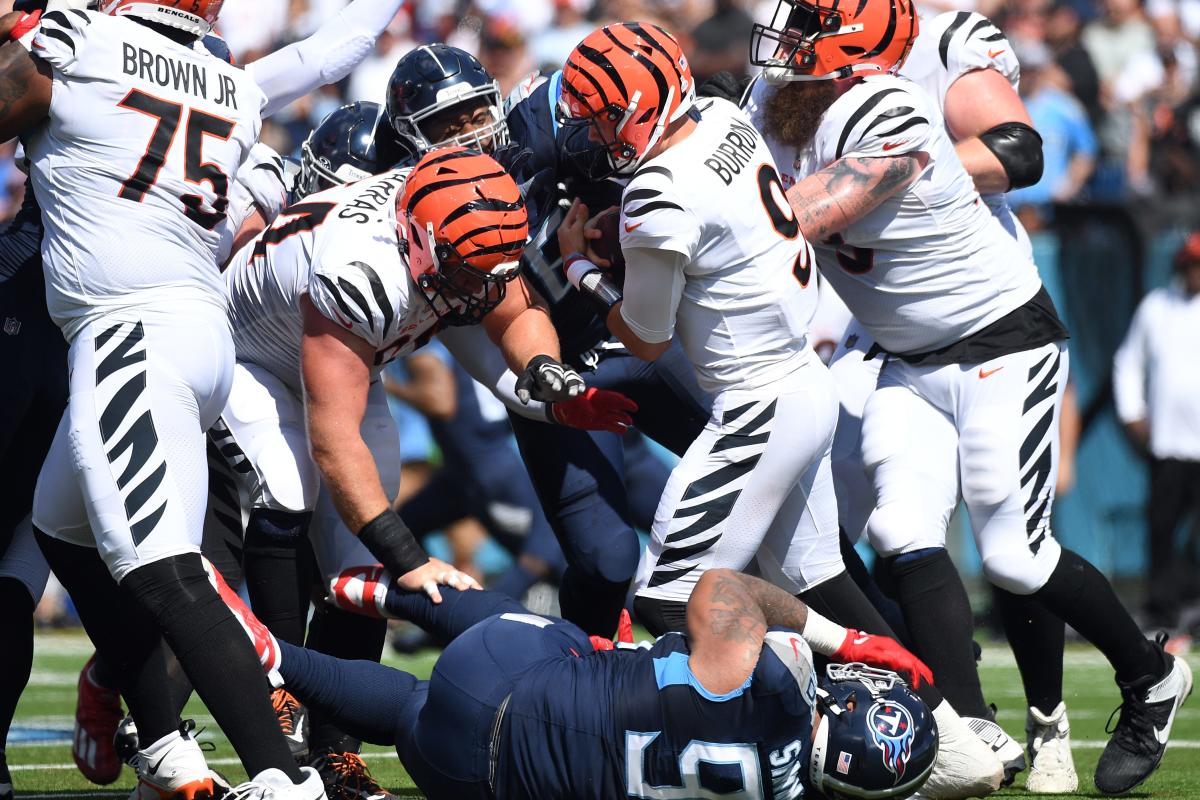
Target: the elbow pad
pixel 1018 147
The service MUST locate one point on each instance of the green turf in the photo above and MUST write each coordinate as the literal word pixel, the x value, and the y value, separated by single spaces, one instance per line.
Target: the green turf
pixel 45 771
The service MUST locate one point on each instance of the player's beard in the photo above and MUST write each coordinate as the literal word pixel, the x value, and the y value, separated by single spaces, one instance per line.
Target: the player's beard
pixel 793 111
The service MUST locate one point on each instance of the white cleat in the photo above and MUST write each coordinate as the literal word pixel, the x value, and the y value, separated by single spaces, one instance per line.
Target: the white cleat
pixel 1052 770
pixel 274 784
pixel 1010 753
pixel 173 768
pixel 965 766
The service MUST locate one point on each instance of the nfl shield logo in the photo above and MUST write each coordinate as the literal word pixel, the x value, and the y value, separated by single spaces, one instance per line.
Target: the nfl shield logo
pixel 12 326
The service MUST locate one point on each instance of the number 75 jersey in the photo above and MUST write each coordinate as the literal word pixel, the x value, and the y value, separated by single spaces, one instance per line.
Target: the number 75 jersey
pixel 132 167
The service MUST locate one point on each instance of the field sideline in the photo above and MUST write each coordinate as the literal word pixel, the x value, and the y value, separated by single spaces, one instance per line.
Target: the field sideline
pixel 43 769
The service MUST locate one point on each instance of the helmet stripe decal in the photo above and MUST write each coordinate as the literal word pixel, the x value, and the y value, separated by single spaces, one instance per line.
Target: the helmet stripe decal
pixel 888 34
pixel 660 79
pixel 513 226
pixel 579 70
pixel 447 155
pixel 600 60
pixel 425 191
pixel 476 206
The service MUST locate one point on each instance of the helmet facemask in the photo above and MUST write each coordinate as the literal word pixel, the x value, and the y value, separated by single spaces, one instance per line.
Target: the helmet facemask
pixel 623 156
pixel 786 48
pixel 458 293
pixel 317 174
pixel 484 138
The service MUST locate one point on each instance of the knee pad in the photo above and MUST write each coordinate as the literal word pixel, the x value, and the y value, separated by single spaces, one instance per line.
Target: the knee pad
pixel 1021 572
pixel 896 528
pixel 660 616
pixel 272 529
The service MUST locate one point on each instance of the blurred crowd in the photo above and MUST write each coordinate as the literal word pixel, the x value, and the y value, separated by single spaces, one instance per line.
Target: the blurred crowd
pixel 1110 84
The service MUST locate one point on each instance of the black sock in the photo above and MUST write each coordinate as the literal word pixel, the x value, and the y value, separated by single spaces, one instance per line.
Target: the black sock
pixel 16 631
pixel 217 657
pixel 277 572
pixel 1084 598
pixel 593 604
pixel 938 614
pixel 886 606
pixel 348 636
pixel 1036 637
pixel 127 637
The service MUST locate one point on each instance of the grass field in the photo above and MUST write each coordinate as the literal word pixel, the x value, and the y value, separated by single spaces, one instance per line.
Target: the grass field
pixel 43 769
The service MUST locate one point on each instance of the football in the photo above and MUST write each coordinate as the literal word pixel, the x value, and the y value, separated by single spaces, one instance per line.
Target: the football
pixel 608 246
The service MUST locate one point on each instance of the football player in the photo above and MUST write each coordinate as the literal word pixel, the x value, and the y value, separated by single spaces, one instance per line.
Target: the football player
pixel 967 402
pixel 125 472
pixel 325 56
pixel 579 475
pixel 529 707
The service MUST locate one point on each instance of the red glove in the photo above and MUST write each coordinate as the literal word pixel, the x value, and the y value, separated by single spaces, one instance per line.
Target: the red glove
pixel 594 410
pixel 624 634
pixel 880 651
pixel 24 25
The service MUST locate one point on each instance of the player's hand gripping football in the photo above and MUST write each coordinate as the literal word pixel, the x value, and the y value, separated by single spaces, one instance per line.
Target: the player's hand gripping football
pixel 578 231
pixel 885 653
pixel 594 410
pixel 435 572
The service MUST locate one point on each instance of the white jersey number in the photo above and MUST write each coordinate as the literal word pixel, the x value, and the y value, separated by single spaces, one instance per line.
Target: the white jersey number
pixel 744 755
pixel 195 170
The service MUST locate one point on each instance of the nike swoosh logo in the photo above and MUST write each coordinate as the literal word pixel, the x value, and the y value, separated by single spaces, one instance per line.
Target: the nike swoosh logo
pixel 153 768
pixel 994 53
pixel 988 373
pixel 1161 735
pixel 297 735
pixel 631 228
pixel 893 145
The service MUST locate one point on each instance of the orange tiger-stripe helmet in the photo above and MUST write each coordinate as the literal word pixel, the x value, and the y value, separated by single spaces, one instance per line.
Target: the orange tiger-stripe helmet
pixel 632 75
pixel 823 39
pixel 465 225
pixel 194 16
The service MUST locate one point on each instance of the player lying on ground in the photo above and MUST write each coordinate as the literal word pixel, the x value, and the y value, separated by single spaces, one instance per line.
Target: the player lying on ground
pixel 525 706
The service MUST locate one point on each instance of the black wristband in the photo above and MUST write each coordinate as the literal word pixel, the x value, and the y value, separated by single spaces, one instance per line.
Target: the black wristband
pixel 390 540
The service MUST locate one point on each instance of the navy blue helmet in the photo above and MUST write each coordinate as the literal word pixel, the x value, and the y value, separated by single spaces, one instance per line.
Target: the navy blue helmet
pixel 436 78
pixel 876 740
pixel 352 143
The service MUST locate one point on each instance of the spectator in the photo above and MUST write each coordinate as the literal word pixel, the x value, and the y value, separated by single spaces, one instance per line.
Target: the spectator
pixel 1157 390
pixel 1068 144
pixel 552 46
pixel 720 42
pixel 504 53
pixel 1063 29
pixel 1118 36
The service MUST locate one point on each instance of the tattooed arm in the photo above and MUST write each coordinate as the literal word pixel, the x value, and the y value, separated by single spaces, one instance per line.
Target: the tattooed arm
pixel 24 90
pixel 728 616
pixel 829 201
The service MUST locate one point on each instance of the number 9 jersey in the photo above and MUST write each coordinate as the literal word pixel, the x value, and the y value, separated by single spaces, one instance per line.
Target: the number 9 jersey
pixel 132 168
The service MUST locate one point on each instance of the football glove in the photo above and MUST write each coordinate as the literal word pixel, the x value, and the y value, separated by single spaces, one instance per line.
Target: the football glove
pixel 548 380
pixel 885 653
pixel 594 410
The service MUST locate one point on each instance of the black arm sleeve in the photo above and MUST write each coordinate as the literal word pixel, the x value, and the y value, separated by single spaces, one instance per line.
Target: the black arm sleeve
pixel 1019 150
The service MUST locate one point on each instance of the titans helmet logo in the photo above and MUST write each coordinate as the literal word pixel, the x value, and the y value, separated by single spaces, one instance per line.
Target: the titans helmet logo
pixel 892 731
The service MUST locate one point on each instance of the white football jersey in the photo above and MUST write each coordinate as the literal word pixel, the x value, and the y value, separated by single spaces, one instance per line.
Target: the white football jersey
pixel 951 45
pixel 133 164
pixel 340 247
pixel 748 291
pixel 930 265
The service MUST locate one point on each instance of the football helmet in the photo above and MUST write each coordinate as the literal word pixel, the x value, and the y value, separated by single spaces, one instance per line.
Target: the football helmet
pixel 351 143
pixel 821 39
pixel 876 740
pixel 435 78
pixel 464 224
pixel 193 16
pixel 635 77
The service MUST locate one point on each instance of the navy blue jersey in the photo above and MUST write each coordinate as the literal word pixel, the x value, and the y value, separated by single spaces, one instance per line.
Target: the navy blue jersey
pixel 21 255
pixel 531 124
pixel 636 723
